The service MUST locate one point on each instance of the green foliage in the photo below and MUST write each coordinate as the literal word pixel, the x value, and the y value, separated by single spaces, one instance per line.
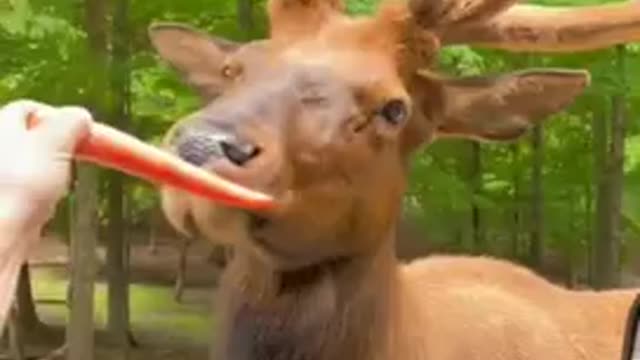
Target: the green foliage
pixel 361 7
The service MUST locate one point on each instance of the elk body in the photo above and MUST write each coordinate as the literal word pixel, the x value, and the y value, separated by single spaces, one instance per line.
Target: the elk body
pixel 325 115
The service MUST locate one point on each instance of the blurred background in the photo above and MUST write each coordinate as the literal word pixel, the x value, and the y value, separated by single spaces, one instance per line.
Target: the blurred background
pixel 114 281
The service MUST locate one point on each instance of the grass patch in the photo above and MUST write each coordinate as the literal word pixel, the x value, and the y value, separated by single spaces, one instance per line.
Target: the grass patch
pixel 153 308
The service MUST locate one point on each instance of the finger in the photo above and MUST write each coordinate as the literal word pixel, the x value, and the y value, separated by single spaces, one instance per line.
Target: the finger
pixel 13 116
pixel 61 129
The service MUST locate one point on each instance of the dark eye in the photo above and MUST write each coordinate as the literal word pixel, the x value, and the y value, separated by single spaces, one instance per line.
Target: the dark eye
pixel 394 112
pixel 231 70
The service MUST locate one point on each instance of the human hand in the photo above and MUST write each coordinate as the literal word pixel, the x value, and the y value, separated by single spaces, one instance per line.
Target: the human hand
pixel 35 171
pixel 35 163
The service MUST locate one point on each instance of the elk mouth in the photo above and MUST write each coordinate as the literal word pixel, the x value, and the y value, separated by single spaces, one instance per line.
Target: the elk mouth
pixel 261 234
pixel 257 225
pixel 244 164
pixel 292 270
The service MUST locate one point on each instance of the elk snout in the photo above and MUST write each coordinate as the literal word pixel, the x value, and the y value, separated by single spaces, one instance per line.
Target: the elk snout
pixel 201 147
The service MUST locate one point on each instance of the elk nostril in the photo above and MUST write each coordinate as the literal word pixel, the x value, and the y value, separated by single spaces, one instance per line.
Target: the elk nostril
pixel 239 153
pixel 198 149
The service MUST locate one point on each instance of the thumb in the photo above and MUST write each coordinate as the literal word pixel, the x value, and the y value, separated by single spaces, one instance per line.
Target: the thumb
pixel 60 129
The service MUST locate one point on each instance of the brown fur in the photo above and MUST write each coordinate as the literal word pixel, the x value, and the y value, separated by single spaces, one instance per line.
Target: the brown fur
pixel 318 277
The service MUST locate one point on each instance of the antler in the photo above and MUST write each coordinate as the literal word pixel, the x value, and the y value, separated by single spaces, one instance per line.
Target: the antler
pixel 290 19
pixel 436 14
pixel 551 29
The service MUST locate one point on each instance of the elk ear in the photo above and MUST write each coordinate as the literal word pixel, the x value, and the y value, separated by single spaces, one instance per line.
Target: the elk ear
pixel 503 108
pixel 198 57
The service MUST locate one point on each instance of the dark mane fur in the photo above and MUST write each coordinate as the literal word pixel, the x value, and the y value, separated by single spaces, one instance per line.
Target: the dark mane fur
pixel 337 310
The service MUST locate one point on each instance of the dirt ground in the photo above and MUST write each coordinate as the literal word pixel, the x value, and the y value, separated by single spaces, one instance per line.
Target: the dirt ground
pixel 150 346
pixel 166 329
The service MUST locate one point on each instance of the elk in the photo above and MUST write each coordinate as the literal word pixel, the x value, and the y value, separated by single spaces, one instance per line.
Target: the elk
pixel 325 115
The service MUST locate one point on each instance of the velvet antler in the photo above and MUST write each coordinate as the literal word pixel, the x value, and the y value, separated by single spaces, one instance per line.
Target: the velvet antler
pixel 498 24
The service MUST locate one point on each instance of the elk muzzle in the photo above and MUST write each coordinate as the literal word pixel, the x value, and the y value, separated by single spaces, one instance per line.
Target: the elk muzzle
pixel 200 147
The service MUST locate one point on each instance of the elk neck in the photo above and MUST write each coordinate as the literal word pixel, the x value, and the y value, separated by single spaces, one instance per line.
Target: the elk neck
pixel 342 308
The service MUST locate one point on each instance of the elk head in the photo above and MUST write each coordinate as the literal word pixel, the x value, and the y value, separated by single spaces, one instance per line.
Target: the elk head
pixel 325 113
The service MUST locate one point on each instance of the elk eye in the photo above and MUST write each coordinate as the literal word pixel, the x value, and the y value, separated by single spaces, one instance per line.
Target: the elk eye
pixel 394 112
pixel 231 70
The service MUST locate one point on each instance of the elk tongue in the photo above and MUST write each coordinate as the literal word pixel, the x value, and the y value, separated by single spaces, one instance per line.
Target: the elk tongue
pixel 114 149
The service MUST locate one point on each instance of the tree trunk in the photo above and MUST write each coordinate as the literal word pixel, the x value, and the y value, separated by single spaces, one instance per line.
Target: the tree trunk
pixel 536 242
pixel 26 307
pixel 515 209
pixel 476 186
pixel 618 133
pixel 603 252
pixel 607 264
pixel 80 329
pixel 117 259
pixel 244 11
pixel 60 221
pixel 24 324
pixel 570 256
pixel 588 234
pixel 600 141
pixel 117 276
pixel 16 335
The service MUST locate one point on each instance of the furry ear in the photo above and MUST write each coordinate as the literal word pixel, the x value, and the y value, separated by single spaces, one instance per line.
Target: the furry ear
pixel 502 108
pixel 194 54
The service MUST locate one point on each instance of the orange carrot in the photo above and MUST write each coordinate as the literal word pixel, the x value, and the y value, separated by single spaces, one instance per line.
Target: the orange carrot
pixel 108 147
